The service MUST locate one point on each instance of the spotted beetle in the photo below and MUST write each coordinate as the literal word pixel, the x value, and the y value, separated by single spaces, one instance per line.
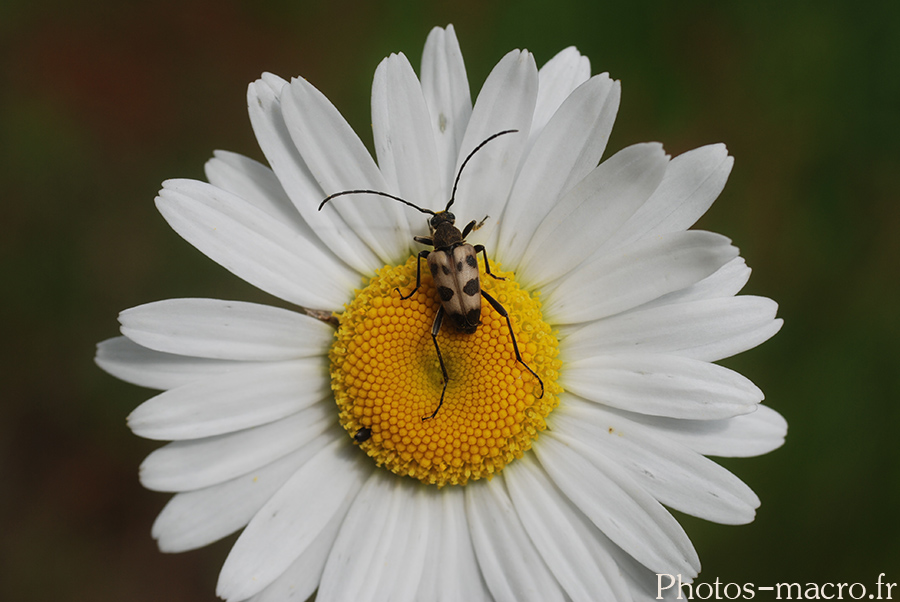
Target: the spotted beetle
pixel 454 266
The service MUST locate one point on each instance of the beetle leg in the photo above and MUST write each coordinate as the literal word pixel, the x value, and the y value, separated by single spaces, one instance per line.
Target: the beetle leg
pixel 422 255
pixel 502 311
pixel 435 329
pixel 487 264
pixel 472 226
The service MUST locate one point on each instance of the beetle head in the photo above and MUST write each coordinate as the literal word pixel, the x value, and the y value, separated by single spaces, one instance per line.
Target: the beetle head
pixel 440 218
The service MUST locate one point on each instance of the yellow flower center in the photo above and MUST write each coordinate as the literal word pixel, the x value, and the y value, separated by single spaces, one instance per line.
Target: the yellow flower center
pixel 387 378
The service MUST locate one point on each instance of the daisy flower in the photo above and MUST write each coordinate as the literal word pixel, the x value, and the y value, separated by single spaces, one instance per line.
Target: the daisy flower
pixel 565 431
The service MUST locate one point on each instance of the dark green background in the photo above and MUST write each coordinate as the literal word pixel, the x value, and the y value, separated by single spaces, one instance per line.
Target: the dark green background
pixel 101 101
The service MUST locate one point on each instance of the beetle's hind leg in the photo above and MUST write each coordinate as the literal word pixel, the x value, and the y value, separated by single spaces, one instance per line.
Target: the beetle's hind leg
pixel 422 255
pixel 502 311
pixel 435 329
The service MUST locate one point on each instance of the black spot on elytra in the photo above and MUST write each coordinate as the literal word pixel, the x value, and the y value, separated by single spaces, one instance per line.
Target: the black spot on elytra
pixel 471 288
pixel 434 269
pixel 473 316
pixel 445 293
pixel 459 266
pixel 473 263
pixel 445 269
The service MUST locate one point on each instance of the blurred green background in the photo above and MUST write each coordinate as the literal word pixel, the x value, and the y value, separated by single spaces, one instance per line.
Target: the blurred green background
pixel 101 101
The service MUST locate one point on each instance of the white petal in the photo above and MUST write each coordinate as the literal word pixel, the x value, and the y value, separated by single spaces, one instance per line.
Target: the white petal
pixel 231 402
pixel 446 89
pixel 380 552
pixel 740 437
pixel 662 385
pixel 358 539
pixel 404 142
pixel 339 161
pixel 406 546
pixel 257 184
pixel 506 102
pixel 567 150
pixel 264 104
pixel 585 217
pixel 709 329
pixel 678 477
pixel 556 80
pixel 512 567
pixel 631 275
pixel 574 549
pixel 138 365
pixel 255 246
pixel 196 518
pixel 293 519
pixel 199 463
pixel 302 578
pixel 692 182
pixel 229 330
pixel 617 505
pixel 395 569
pixel 727 281
pixel 643 583
pixel 451 572
pixel 363 562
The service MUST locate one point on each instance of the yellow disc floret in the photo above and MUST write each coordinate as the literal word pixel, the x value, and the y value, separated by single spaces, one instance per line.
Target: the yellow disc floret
pixel 386 378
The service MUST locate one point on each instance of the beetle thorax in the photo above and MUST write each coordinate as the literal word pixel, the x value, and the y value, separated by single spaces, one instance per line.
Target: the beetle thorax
pixel 445 235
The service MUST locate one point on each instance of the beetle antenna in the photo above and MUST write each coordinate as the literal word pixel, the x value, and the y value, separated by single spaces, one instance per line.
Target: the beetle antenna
pixel 463 166
pixel 390 196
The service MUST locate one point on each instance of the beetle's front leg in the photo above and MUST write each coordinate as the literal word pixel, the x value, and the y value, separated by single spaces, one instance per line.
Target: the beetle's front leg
pixel 473 225
pixel 487 264
pixel 422 255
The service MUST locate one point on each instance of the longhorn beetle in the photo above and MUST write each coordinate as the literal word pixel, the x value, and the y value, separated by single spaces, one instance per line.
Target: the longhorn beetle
pixel 454 266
